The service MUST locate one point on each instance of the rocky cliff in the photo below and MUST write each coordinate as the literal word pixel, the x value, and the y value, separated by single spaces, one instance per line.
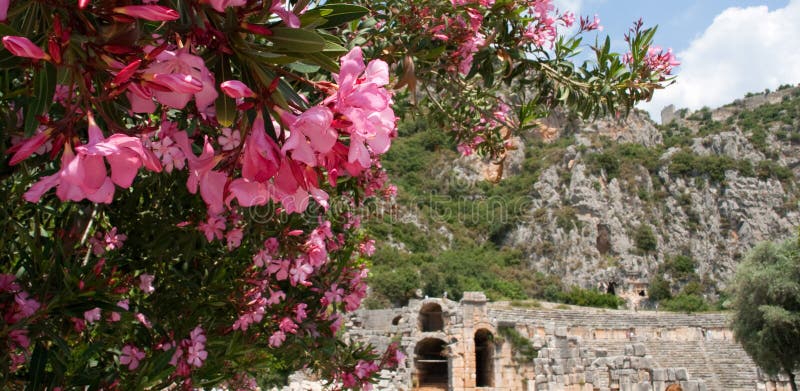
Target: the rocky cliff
pixel 613 203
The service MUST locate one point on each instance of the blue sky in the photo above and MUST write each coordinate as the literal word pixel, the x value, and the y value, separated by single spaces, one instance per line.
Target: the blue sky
pixel 727 48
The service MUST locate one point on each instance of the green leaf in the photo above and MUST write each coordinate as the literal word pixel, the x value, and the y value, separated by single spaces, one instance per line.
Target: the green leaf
pixel 332 44
pixel 37 370
pixel 303 68
pixel 324 61
pixel 296 40
pixel 339 14
pixel 44 87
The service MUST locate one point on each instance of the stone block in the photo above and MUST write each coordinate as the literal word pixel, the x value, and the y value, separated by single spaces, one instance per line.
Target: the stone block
pixel 639 350
pixel 691 385
pixel 639 362
pixel 670 374
pixel 643 387
pixel 628 350
pixel 561 331
pixel 600 362
pixel 619 361
pixel 681 374
pixel 540 379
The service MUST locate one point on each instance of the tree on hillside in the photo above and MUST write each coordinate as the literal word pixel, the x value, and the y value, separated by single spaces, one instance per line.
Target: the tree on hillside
pixel 766 301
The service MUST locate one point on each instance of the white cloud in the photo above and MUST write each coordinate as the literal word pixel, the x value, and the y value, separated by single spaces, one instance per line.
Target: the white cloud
pixel 569 5
pixel 743 50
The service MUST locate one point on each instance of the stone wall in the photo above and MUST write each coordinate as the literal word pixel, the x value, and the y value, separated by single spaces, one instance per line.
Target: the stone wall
pixel 579 349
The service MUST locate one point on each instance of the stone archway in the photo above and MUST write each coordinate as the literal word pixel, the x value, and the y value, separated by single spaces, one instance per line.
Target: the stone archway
pixel 484 358
pixel 431 317
pixel 432 367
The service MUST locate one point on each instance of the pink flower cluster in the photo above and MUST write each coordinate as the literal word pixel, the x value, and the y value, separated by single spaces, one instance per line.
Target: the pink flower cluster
pixel 463 33
pixel 656 60
pixel 190 352
pixel 108 241
pixel 14 313
pixel 360 376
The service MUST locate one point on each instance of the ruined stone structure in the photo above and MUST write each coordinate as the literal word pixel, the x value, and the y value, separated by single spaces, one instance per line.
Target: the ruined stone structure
pixel 477 345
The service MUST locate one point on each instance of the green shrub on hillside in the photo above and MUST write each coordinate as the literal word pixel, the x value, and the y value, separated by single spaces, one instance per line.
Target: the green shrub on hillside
pixel 645 238
pixel 659 289
pixel 680 267
pixel 590 298
pixel 685 303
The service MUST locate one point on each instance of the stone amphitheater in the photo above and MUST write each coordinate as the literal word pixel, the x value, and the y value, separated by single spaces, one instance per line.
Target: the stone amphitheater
pixel 474 344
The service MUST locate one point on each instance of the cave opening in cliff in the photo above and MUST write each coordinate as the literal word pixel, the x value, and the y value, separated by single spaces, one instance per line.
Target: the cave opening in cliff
pixel 430 317
pixel 612 288
pixel 432 366
pixel 484 358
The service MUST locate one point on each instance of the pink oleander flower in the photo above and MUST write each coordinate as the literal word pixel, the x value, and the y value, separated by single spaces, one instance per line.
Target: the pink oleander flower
pixel 300 312
pixel 364 102
pixel 113 240
pixel 25 305
pixel 20 338
pixel 201 174
pixel 311 133
pixel 92 315
pixel 568 18
pixel 261 155
pixel 287 326
pixel 143 320
pixel 23 150
pixel 154 13
pixel 233 238
pixel 146 283
pixel 220 5
pixel 295 184
pixel 170 154
pixel 236 89
pixel 23 47
pixel 8 283
pixel 229 139
pixel 279 268
pixel 278 7
pixel 131 355
pixel 213 227
pixel 196 353
pixel 4 9
pixel 365 369
pixel 587 25
pixel 276 339
pixel 367 248
pixel 186 77
pixel 84 175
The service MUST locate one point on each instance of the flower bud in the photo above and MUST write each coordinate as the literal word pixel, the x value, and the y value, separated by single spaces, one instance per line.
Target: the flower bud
pixel 23 47
pixel 155 13
pixel 236 89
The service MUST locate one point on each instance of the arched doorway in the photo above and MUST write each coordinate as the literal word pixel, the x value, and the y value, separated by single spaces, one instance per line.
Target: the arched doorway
pixel 484 358
pixel 430 317
pixel 431 364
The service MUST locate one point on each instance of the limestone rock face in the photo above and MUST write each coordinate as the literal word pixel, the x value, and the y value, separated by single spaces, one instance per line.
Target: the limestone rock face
pixel 582 225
